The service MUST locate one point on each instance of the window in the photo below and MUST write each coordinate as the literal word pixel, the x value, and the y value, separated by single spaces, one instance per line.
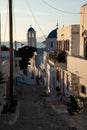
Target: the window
pixel 31 35
pixel 51 44
pixel 67 80
pixel 67 48
pixel 83 89
pixel 85 47
pixel 66 45
pixel 59 46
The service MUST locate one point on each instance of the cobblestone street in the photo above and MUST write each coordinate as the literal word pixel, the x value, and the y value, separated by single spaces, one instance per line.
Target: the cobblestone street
pixel 35 113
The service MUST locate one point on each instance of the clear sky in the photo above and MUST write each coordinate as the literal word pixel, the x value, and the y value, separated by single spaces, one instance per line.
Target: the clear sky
pixel 40 15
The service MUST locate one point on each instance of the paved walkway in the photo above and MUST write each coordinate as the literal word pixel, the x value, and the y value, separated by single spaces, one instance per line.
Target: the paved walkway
pixel 35 113
pixel 39 113
pixel 78 121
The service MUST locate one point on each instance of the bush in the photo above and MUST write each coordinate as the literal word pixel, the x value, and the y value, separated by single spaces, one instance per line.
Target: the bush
pixel 61 57
pixel 26 53
pixel 58 91
pixel 83 99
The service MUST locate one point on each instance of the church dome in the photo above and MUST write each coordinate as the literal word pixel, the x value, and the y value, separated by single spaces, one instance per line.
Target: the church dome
pixel 31 29
pixel 53 34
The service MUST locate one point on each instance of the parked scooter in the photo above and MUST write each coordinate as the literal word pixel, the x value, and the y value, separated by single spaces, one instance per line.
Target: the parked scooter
pixel 74 106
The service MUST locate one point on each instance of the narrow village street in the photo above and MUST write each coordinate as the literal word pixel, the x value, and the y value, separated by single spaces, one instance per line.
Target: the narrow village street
pixel 43 75
pixel 35 113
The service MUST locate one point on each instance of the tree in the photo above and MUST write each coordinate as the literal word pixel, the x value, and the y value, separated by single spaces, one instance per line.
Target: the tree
pixel 25 53
pixel 61 57
pixel 4 48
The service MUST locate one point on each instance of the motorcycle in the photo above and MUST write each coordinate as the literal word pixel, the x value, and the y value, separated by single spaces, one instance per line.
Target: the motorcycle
pixel 74 106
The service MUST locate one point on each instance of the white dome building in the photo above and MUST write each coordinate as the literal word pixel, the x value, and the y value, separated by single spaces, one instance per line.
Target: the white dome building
pixel 51 41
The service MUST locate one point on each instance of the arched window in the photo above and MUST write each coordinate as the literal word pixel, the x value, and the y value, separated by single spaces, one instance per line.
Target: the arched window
pixel 31 35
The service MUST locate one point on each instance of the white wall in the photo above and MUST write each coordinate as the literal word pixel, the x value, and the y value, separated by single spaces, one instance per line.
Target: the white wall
pixel 77 66
pixel 48 44
pixel 83 27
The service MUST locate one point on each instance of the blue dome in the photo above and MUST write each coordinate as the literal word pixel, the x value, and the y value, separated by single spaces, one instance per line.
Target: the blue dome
pixel 53 34
pixel 31 29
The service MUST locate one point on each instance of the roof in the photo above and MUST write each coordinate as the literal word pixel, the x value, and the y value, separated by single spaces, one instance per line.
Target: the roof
pixel 53 34
pixel 31 29
pixel 84 5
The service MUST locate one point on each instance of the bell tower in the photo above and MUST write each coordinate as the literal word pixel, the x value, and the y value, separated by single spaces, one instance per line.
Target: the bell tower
pixel 31 37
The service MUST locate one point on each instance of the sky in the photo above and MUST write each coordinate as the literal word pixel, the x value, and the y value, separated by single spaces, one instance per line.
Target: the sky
pixel 42 15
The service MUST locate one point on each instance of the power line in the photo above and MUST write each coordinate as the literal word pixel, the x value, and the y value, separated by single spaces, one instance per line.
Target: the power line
pixel 6 23
pixel 35 18
pixel 59 10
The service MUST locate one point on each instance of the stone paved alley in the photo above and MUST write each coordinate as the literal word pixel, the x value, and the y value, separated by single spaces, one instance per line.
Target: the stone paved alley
pixel 35 113
pixel 38 113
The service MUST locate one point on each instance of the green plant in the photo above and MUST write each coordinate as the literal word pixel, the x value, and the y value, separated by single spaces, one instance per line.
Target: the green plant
pixel 26 53
pixel 83 99
pixel 61 57
pixel 4 48
pixel 58 91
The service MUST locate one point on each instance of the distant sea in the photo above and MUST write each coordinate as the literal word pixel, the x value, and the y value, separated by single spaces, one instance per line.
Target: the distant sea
pixel 39 45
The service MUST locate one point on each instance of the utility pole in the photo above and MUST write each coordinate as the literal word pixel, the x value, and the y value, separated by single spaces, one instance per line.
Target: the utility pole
pixel 11 50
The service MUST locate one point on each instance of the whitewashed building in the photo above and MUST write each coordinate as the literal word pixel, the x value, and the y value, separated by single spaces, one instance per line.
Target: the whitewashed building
pixel 83 31
pixel 47 72
pixel 43 70
pixel 77 65
pixel 68 39
pixel 55 73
